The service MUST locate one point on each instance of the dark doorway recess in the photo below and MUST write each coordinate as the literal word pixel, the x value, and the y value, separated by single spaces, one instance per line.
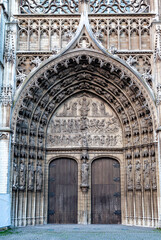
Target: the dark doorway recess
pixel 106 193
pixel 63 191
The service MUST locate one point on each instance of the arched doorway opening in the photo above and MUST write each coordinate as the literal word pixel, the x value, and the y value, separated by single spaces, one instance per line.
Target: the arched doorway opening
pixel 105 192
pixel 63 191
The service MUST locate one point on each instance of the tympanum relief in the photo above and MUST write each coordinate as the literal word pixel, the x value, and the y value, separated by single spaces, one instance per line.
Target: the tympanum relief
pixel 84 120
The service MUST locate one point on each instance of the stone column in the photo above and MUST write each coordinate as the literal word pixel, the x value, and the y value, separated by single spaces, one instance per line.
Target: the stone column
pixel 157 89
pixel 6 95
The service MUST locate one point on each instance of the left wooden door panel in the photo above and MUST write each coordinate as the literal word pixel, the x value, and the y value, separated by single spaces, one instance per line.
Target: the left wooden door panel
pixel 63 191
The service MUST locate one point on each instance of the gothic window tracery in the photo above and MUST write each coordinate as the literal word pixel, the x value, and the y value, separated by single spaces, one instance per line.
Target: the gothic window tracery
pixel 72 6
pixel 48 6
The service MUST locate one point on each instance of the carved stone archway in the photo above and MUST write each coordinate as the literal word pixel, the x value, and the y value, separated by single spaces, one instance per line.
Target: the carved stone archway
pixel 52 84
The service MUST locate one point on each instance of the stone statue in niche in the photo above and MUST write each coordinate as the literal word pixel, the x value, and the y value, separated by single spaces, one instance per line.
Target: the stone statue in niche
pixel 146 175
pixel 15 175
pixel 138 175
pixel 39 176
pixel 31 176
pixel 153 174
pixel 85 174
pixel 129 176
pixel 22 174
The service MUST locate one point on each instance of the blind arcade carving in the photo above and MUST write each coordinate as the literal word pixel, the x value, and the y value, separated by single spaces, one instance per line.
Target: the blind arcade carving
pixel 84 120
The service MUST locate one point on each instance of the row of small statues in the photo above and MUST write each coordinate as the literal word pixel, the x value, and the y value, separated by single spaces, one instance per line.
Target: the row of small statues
pixel 19 176
pixel 149 175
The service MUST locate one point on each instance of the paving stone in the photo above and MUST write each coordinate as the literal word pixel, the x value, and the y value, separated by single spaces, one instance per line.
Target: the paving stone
pixel 83 232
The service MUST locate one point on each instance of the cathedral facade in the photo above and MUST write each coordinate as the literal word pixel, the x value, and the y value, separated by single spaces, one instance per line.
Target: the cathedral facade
pixel 80 112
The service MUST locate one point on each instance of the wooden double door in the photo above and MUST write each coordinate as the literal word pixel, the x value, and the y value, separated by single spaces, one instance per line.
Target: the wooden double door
pixel 105 191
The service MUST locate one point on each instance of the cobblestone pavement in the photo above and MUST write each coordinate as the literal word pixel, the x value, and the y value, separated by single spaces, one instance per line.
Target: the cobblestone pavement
pixel 83 232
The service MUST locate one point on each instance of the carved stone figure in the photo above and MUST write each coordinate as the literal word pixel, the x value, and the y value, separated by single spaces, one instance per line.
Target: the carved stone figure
pixel 146 175
pixel 65 111
pixel 74 109
pixel 39 176
pixel 102 109
pixel 22 174
pixel 31 176
pixel 138 175
pixel 15 175
pixel 94 109
pixel 85 174
pixel 129 176
pixel 153 174
pixel 84 106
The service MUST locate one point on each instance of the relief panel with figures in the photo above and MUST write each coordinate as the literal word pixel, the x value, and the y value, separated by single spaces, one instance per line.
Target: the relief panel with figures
pixel 84 121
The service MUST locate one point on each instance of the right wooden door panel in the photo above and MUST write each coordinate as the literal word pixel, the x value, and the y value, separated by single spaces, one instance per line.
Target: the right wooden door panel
pixel 106 196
